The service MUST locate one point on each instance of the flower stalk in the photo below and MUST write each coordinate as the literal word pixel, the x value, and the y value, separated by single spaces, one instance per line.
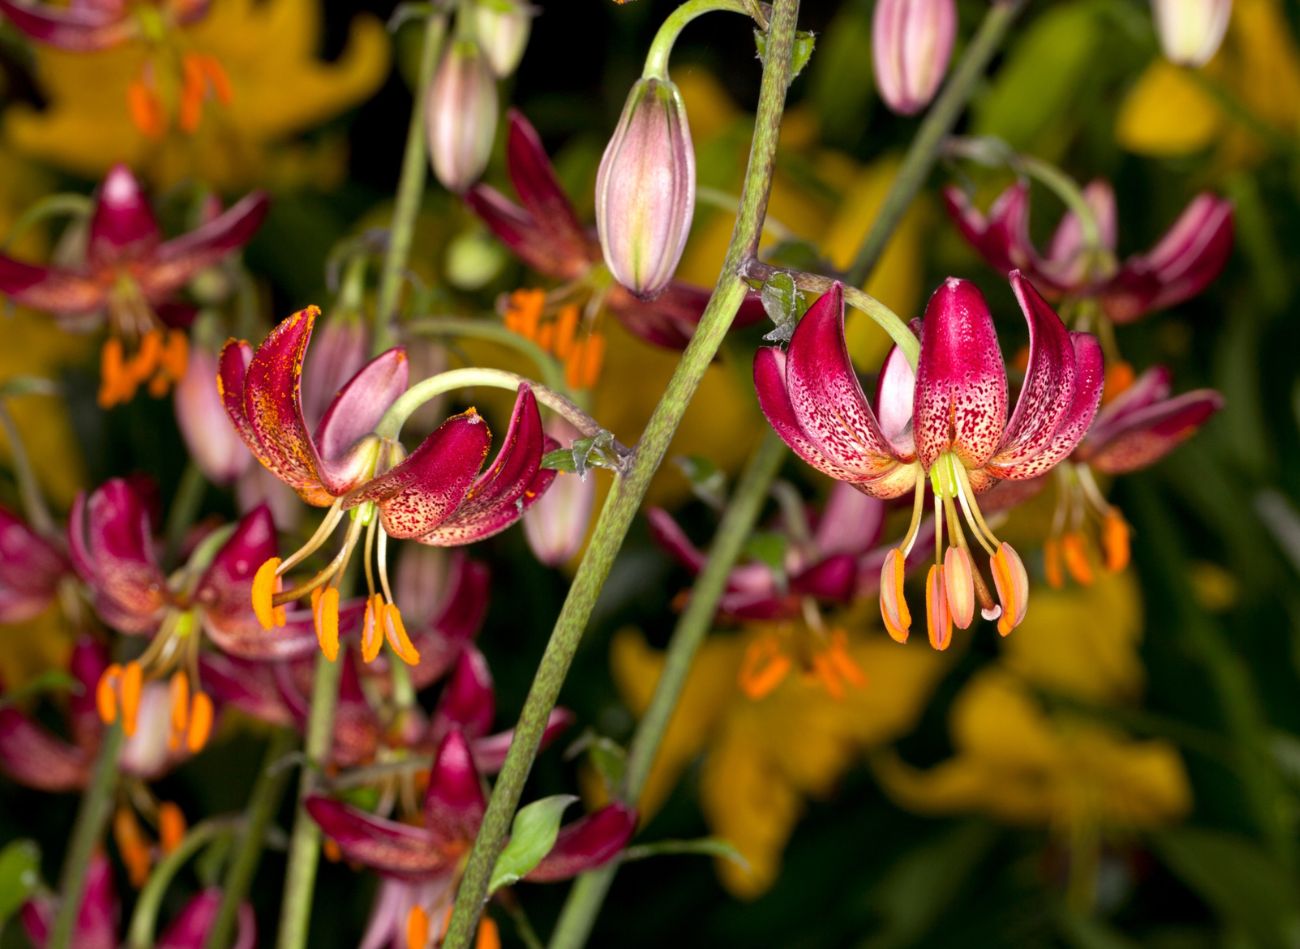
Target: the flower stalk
pixel 656 60
pixel 625 498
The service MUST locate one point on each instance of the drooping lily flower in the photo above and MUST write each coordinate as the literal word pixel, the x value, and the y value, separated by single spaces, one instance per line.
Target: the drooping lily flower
pixel 110 538
pixel 100 912
pixel 1184 262
pixel 1133 431
pixel 130 277
pixel 556 526
pixel 424 862
pixel 435 496
pixel 946 425
pixel 30 570
pixel 546 235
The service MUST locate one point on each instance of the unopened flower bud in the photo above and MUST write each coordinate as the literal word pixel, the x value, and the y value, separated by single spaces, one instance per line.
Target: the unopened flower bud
pixel 209 435
pixel 556 524
pixel 1191 30
pixel 911 42
pixel 645 190
pixel 501 28
pixel 461 116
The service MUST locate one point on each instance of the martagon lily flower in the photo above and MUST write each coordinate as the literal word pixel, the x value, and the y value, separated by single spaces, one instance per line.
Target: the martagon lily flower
pixel 31 568
pixel 947 425
pixel 1184 262
pixel 435 496
pixel 546 235
pixel 131 276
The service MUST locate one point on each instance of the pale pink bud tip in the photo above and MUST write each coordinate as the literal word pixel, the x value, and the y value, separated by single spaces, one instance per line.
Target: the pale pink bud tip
pixel 645 190
pixel 461 116
pixel 911 44
pixel 1190 31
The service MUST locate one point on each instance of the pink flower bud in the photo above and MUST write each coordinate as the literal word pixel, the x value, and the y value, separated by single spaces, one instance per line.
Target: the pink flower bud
pixel 502 30
pixel 461 116
pixel 911 44
pixel 1191 30
pixel 556 524
pixel 209 435
pixel 645 190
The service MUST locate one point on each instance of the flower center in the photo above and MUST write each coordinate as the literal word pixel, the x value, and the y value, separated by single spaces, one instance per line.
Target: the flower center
pixel 563 327
pixel 1083 522
pixel 139 350
pixel 821 655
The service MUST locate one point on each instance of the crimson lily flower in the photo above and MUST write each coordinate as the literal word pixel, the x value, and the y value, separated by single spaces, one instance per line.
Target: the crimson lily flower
pixel 131 276
pixel 111 542
pixel 546 235
pixel 435 496
pixel 1185 261
pixel 424 862
pixel 30 570
pixel 947 424
pixel 97 919
pixel 1133 431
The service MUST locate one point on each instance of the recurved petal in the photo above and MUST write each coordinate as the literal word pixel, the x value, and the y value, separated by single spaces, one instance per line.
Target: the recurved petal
pixel 78 28
pixel 1001 238
pixel 30 570
pixel 109 536
pixel 850 523
pixel 1146 436
pixel 37 759
pixel 1067 242
pixel 177 261
pixel 961 382
pixel 247 685
pixel 380 844
pixel 273 406
pixel 668 534
pixel 834 578
pixel 96 926
pixel 895 394
pixel 1154 385
pixel 232 376
pixel 454 802
pixel 123 226
pixel 87 663
pixel 467 703
pixel 525 238
pixel 539 191
pixel 669 320
pixel 353 414
pixel 215 444
pixel 1048 390
pixel 62 292
pixel 586 844
pixel 490 750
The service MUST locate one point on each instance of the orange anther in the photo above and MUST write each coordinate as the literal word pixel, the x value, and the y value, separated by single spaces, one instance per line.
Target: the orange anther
pixel 417 928
pixel 395 631
pixel 566 328
pixel 129 688
pixel 330 848
pixel 106 694
pixel 171 826
pixel 326 615
pixel 175 355
pixel 1115 540
pixel 1076 558
pixel 115 385
pixel 524 311
pixel 546 336
pixel 193 90
pixel 265 586
pixel 217 79
pixel 593 360
pixel 938 617
pixel 372 636
pixel 825 673
pixel 893 605
pixel 146 109
pixel 179 691
pixel 839 656
pixel 1119 377
pixel 132 846
pixel 146 358
pixel 1012 584
pixel 489 937
pixel 763 667
pixel 1052 563
pixel 201 713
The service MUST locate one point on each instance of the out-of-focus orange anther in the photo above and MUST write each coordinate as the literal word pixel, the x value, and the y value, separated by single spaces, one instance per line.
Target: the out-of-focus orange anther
pixel 825 673
pixel 145 361
pixel 179 694
pixel 193 90
pixel 1075 553
pixel 586 359
pixel 146 109
pixel 175 356
pixel 265 583
pixel 842 661
pixel 1119 377
pixel 115 383
pixel 330 848
pixel 132 846
pixel 218 80
pixel 417 928
pixel 171 826
pixel 489 937
pixel 1115 541
pixel 1052 566
pixel 524 311
pixel 129 687
pixel 566 331
pixel 201 714
pixel 106 694
pixel 764 667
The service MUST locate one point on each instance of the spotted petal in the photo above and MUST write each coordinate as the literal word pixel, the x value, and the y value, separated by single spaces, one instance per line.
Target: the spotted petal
pixel 36 758
pixel 110 540
pixel 383 845
pixel 62 292
pixel 586 844
pixel 961 382
pixel 1143 437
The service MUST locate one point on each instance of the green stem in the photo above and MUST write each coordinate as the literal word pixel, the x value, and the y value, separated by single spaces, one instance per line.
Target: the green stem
pixel 184 509
pixel 92 816
pixel 410 187
pixel 29 486
pixel 938 124
pixel 304 844
pixel 391 424
pixel 262 805
pixel 550 371
pixel 625 498
pixel 144 920
pixel 656 60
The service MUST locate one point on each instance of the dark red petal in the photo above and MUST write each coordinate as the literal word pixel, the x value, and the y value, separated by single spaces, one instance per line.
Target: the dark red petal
pixel 123 226
pixel 440 641
pixel 1146 436
pixel 525 238
pixel 454 802
pixel 87 664
pixel 850 523
pixel 50 289
pixel 78 28
pixel 30 570
pixel 669 320
pixel 587 844
pixel 539 191
pixel 467 703
pixel 667 533
pixel 249 686
pixel 490 750
pixel 380 844
pixel 110 538
pixel 831 579
pixel 178 260
pixel 190 929
pixel 37 759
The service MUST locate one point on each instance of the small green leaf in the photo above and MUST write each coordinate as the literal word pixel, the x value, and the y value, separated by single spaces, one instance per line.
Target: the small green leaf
pixel 704 846
pixel 804 42
pixel 584 453
pixel 20 875
pixel 781 299
pixel 531 838
pixel 708 483
pixel 769 549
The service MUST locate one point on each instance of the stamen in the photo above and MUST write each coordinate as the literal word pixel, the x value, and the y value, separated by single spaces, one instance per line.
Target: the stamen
pixel 524 311
pixel 966 498
pixel 1115 540
pixel 763 667
pixel 146 109
pixel 326 615
pixel 129 687
pixel 489 937
pixel 171 826
pixel 106 694
pixel 1013 587
pixel 1076 558
pixel 959 577
pixel 938 619
pixel 201 715
pixel 175 356
pixel 840 657
pixel 217 78
pixel 566 328
pixel 142 365
pixel 131 846
pixel 266 583
pixel 114 387
pixel 322 534
pixel 893 605
pixel 826 674
pixel 371 636
pixel 417 928
pixel 395 631
pixel 330 847
pixel 192 91
pixel 918 509
pixel 180 709
pixel 1052 563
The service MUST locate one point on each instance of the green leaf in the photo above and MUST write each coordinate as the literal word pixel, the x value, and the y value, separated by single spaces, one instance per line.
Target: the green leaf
pixel 804 42
pixel 783 304
pixel 20 875
pixel 584 453
pixel 1244 885
pixel 531 838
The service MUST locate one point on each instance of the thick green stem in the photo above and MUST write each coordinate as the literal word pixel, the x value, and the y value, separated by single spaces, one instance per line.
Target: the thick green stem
pixel 938 124
pixel 304 845
pixel 550 371
pixel 410 187
pixel 262 805
pixel 92 816
pixel 144 921
pixel 628 492
pixel 656 60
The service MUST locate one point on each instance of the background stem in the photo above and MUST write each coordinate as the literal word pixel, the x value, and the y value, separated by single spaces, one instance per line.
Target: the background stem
pixel 627 493
pixel 144 921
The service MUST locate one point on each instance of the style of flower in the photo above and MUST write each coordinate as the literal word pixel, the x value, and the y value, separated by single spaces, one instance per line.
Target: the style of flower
pixel 130 276
pixel 764 758
pixel 1133 431
pixel 31 567
pixel 435 496
pixel 546 235
pixel 112 548
pixel 258 60
pixel 1181 265
pixel 97 919
pixel 422 863
pixel 947 425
